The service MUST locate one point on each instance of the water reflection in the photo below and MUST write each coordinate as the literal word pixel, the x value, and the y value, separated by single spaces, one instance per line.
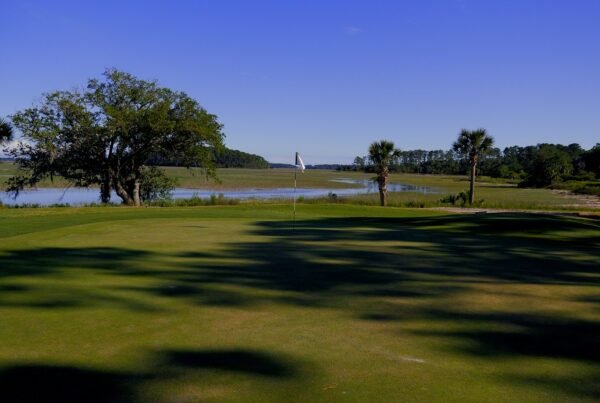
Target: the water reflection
pixel 79 196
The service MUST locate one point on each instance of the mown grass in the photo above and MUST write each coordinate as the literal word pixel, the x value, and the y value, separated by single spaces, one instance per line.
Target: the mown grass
pixel 352 304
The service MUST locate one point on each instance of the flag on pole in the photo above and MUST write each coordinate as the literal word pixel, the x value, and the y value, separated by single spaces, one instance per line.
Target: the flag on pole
pixel 299 162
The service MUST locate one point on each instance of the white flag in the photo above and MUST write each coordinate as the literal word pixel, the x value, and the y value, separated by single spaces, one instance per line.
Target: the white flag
pixel 299 162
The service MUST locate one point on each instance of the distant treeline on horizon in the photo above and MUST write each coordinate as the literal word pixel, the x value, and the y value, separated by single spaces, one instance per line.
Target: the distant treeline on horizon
pixel 540 165
pixel 223 158
pixel 317 166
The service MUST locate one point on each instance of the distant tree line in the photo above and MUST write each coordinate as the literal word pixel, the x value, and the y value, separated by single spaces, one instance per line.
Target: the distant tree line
pixel 221 157
pixel 471 146
pixel 315 166
pixel 534 166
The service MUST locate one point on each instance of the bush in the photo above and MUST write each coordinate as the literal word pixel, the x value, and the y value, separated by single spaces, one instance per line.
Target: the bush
pixel 462 199
pixel 156 185
pixel 195 201
pixel 588 189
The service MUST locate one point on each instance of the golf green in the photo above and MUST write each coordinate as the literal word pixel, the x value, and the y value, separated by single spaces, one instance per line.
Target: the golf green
pixel 349 303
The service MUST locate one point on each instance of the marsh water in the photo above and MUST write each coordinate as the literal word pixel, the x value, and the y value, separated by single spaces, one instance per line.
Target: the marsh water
pixel 80 196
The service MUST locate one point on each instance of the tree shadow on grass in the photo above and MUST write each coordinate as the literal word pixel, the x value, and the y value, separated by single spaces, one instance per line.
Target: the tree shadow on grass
pixel 243 361
pixel 329 262
pixel 583 384
pixel 40 261
pixel 335 258
pixel 66 264
pixel 512 334
pixel 28 383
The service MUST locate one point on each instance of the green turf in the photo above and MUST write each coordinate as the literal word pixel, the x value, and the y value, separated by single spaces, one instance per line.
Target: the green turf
pixel 353 304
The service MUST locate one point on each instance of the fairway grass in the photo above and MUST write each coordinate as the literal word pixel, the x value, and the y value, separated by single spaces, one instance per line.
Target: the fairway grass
pixel 349 303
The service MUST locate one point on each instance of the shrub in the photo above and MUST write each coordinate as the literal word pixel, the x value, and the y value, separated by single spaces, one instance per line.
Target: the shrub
pixel 156 185
pixel 462 199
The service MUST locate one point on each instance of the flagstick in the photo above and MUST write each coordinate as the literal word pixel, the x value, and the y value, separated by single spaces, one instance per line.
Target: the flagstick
pixel 294 215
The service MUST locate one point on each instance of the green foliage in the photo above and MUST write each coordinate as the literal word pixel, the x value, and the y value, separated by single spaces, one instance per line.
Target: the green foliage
pixel 516 163
pixel 195 201
pixel 382 154
pixel 589 189
pixel 228 158
pixel 156 184
pixel 473 144
pixel 6 131
pixel 221 157
pixel 461 199
pixel 104 135
pixel 550 164
pixel 591 159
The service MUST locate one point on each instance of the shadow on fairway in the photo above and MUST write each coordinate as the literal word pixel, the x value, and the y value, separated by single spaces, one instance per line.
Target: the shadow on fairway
pixel 46 383
pixel 497 334
pixel 243 361
pixel 329 262
pixel 25 383
pixel 50 260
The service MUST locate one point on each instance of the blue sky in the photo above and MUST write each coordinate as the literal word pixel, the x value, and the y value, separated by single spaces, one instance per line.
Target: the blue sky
pixel 326 78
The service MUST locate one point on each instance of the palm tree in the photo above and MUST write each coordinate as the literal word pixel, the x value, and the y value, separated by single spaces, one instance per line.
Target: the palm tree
pixel 6 131
pixel 473 144
pixel 382 154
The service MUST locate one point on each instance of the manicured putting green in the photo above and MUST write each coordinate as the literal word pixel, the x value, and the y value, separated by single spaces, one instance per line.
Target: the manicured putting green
pixel 353 304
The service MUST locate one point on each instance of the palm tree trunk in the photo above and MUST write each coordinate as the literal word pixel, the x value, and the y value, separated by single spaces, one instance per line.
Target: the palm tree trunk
pixel 472 186
pixel 383 197
pixel 382 182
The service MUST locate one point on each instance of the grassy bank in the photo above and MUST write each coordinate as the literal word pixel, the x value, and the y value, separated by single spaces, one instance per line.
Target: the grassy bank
pixel 354 304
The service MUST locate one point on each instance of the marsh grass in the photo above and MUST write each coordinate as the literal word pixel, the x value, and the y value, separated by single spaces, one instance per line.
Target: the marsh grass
pixel 495 193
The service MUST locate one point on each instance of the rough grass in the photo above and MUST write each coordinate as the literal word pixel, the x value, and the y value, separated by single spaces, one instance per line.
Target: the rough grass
pixel 353 304
pixel 232 178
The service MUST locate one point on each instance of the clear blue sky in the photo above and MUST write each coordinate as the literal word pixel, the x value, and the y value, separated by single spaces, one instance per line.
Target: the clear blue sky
pixel 326 78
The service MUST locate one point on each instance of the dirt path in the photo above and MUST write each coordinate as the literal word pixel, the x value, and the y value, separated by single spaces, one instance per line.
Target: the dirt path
pixel 579 201
pixel 467 210
pixel 572 201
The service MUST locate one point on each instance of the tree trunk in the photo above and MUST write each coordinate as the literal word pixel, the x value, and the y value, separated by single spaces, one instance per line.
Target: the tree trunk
pixel 136 193
pixel 382 182
pixel 383 197
pixel 472 186
pixel 123 193
pixel 105 190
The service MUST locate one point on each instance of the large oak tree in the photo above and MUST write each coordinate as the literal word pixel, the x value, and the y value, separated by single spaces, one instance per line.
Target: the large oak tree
pixel 105 134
